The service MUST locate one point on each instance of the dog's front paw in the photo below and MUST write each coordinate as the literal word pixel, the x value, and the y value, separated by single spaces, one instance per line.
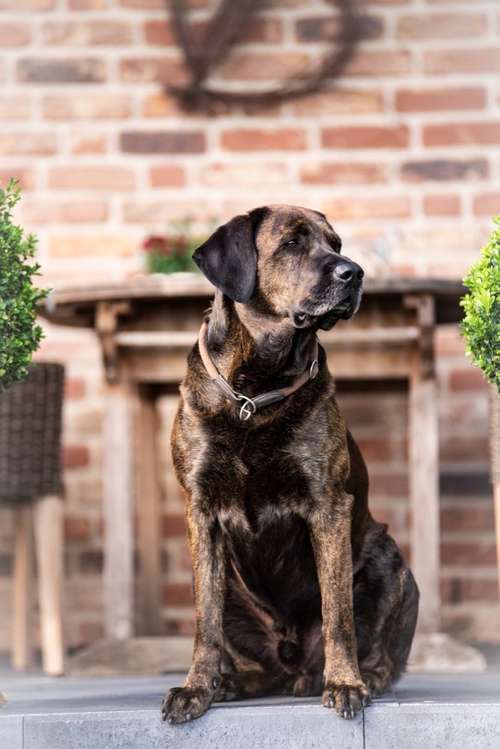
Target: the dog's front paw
pixel 182 704
pixel 347 700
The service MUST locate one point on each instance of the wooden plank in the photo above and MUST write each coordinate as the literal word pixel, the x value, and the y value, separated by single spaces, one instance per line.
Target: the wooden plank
pixel 176 338
pixel 148 510
pixel 22 650
pixel 424 471
pixel 118 495
pixel 48 515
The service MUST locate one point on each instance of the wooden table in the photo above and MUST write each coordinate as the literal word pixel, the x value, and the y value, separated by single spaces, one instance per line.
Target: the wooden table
pixel 146 327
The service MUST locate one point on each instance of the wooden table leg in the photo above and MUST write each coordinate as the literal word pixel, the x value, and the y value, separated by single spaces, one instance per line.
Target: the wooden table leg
pixel 148 504
pixel 22 652
pixel 424 472
pixel 118 508
pixel 48 515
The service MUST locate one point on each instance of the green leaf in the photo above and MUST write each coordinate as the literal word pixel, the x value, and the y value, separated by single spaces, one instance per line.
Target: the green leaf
pixel 481 324
pixel 20 334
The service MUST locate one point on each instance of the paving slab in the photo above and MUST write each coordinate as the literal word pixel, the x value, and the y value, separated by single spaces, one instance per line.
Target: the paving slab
pixel 424 711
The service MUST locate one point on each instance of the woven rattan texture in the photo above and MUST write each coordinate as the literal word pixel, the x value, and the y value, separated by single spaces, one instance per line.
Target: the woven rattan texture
pixel 30 435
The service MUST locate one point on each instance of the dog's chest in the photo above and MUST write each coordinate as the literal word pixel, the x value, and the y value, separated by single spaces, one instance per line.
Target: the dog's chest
pixel 272 486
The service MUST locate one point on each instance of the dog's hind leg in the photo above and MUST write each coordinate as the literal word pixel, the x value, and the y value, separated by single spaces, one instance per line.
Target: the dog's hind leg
pixel 385 610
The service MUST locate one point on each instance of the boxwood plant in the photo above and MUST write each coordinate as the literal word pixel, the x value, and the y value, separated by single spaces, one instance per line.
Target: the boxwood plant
pixel 20 334
pixel 481 323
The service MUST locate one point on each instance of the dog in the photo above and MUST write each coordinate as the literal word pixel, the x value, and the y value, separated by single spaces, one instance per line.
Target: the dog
pixel 298 590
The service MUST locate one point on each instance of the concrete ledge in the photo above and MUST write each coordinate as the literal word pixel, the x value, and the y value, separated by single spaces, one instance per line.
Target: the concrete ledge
pixel 424 711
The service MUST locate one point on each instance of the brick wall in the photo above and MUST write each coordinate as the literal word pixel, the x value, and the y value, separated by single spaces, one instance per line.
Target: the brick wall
pixel 404 157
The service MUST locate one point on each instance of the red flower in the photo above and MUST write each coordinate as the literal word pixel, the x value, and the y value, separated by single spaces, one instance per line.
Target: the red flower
pixel 157 244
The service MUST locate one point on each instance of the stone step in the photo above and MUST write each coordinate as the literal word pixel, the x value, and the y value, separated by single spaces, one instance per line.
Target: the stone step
pixel 423 711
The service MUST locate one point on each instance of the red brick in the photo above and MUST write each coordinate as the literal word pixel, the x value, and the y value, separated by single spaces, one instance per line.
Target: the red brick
pixel 340 101
pixel 74 387
pixel 440 170
pixel 286 139
pixel 143 4
pixel 176 626
pixel 366 137
pixel 478 552
pixel 91 178
pixel 83 33
pixel 462 133
pixel 161 70
pixel 263 66
pixel 42 70
pixel 177 594
pixel 90 631
pixel 388 484
pixel 169 175
pixel 448 341
pixel 173 526
pixel 458 447
pixel 51 212
pixel 29 144
pixel 159 32
pixel 437 99
pixel 76 528
pixel 84 211
pixel 377 207
pixel 84 144
pixel 91 246
pixel 380 63
pixel 466 379
pixel 87 4
pixel 487 204
pixel 86 106
pixel 457 590
pixel 162 141
pixel 441 25
pixel 25 175
pixel 466 60
pixel 375 449
pixel 263 31
pixel 343 173
pixel 161 104
pixel 473 516
pixel 244 174
pixel 325 28
pixel 14 34
pixel 13 107
pixel 441 205
pixel 75 456
pixel 27 5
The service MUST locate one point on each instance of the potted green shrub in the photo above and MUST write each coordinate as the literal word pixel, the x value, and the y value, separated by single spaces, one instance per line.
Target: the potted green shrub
pixel 20 334
pixel 481 329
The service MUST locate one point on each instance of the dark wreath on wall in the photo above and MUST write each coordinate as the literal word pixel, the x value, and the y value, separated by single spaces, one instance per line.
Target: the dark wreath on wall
pixel 225 28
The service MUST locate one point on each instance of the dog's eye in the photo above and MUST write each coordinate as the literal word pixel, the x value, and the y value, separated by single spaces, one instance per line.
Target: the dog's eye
pixel 291 243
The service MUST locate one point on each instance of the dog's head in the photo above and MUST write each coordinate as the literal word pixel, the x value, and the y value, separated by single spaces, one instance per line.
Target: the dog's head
pixel 284 260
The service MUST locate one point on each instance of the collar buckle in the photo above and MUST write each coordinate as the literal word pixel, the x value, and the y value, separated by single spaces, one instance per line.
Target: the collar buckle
pixel 248 407
pixel 313 369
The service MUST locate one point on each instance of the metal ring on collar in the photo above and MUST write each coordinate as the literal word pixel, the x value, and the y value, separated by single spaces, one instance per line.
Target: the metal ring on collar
pixel 248 408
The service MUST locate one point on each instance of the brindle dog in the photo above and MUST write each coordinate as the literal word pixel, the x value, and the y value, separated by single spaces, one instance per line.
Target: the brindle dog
pixel 298 590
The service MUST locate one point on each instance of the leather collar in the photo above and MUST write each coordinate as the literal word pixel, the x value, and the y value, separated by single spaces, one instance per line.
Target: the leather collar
pixel 250 405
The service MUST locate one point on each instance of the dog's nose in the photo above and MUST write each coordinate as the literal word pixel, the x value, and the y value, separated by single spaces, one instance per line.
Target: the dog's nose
pixel 348 272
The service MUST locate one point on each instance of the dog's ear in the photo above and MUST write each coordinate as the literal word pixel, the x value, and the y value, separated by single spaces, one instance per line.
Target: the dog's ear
pixel 229 259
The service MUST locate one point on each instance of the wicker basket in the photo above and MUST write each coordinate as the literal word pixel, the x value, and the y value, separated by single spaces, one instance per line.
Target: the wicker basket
pixel 30 435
